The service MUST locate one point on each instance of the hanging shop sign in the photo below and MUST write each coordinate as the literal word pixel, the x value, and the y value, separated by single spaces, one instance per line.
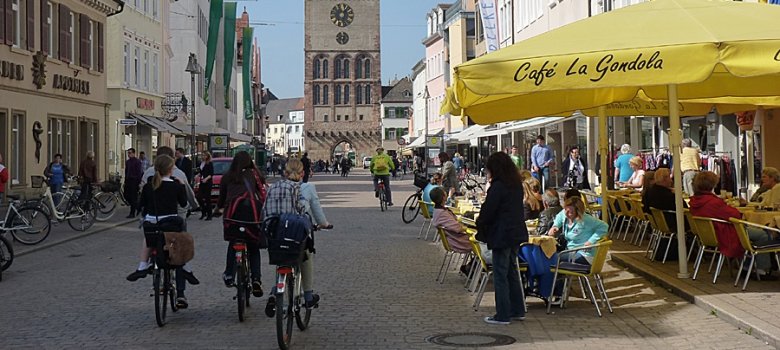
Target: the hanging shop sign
pixel 71 84
pixel 144 103
pixel 745 120
pixel 219 141
pixel 11 70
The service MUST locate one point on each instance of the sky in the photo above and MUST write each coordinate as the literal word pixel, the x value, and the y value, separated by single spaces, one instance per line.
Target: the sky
pixel 279 31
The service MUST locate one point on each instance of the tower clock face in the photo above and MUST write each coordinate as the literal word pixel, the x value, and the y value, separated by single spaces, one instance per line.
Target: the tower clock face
pixel 342 15
pixel 342 38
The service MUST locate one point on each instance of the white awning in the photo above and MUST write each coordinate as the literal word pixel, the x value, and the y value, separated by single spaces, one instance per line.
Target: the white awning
pixel 465 135
pixel 418 142
pixel 532 123
pixel 234 136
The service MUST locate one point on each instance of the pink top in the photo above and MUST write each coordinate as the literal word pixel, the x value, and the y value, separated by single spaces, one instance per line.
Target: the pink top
pixel 456 235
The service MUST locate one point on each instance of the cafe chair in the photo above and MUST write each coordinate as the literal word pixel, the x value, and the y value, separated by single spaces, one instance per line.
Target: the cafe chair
pixel 640 220
pixel 427 218
pixel 583 273
pixel 663 231
pixel 752 250
pixel 449 255
pixel 483 272
pixel 707 239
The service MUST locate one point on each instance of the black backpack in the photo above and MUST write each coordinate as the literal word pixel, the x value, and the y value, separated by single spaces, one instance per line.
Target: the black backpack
pixel 244 217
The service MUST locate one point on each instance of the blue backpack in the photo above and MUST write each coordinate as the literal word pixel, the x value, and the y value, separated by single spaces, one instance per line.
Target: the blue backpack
pixel 289 236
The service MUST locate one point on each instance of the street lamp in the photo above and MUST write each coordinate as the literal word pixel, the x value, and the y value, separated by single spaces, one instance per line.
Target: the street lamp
pixel 193 69
pixel 426 95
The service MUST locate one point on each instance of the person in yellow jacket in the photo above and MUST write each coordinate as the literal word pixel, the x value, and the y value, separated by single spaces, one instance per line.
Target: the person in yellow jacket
pixel 381 166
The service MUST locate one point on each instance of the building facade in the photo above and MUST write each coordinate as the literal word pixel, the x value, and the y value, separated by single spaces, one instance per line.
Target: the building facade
pixel 277 120
pixel 342 81
pixel 418 119
pixel 396 106
pixel 52 85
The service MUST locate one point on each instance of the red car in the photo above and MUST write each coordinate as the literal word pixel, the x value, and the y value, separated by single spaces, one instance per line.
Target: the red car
pixel 221 166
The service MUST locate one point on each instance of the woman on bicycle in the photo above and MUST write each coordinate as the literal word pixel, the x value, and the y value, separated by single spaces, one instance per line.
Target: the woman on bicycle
pixel 279 202
pixel 159 204
pixel 206 182
pixel 242 173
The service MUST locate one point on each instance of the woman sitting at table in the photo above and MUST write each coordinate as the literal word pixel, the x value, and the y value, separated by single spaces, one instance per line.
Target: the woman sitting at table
pixel 501 225
pixel 580 230
pixel 532 199
pixel 649 181
pixel 426 195
pixel 706 204
pixel 770 179
pixel 637 178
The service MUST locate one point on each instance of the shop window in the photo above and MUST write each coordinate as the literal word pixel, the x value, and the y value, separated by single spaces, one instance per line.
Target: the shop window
pixel 16 163
pixel 88 132
pixel 61 139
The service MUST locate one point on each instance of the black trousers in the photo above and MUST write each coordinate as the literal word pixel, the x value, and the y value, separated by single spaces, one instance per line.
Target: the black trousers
pixel 204 198
pixel 131 194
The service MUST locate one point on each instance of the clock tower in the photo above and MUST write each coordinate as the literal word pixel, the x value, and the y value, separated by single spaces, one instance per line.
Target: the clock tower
pixel 342 84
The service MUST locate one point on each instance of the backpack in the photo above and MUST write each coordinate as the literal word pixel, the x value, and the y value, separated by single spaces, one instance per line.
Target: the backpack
pixel 244 215
pixel 289 236
pixel 380 164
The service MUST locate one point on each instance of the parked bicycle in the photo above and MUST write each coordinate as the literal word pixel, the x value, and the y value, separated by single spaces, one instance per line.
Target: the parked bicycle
pixel 109 196
pixel 27 224
pixel 412 206
pixel 80 213
pixel 243 281
pixel 6 255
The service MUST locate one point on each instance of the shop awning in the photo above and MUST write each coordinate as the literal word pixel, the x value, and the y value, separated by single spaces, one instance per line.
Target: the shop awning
pixel 160 124
pixel 418 142
pixel 466 135
pixel 532 123
pixel 234 136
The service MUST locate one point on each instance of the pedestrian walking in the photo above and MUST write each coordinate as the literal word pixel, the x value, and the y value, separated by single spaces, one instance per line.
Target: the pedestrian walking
pixel 133 173
pixel 205 186
pixel 541 159
pixel 575 169
pixel 184 164
pixel 87 175
pixel 306 167
pixel 57 173
pixel 145 162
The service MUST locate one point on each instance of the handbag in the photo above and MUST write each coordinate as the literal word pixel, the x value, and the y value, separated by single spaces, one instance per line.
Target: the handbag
pixel 180 247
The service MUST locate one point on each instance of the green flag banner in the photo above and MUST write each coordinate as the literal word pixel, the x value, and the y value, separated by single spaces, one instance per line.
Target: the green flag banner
pixel 247 72
pixel 215 16
pixel 230 48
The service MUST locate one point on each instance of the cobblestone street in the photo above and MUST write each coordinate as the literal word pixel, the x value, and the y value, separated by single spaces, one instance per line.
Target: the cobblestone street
pixel 376 280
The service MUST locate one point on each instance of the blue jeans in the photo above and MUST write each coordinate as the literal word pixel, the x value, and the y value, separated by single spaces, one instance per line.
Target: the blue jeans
pixel 546 175
pixel 386 179
pixel 509 302
pixel 54 189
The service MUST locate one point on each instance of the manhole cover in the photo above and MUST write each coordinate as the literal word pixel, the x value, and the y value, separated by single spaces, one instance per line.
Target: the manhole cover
pixel 471 339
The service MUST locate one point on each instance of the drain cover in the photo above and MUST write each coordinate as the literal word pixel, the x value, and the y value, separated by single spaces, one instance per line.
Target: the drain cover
pixel 470 339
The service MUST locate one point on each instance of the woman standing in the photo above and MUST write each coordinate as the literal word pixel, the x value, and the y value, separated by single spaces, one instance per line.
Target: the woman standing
pixel 501 224
pixel 449 175
pixel 206 183
pixel 57 172
pixel 575 170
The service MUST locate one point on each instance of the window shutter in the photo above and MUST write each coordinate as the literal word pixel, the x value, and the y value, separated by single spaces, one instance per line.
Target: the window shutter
pixel 8 16
pixel 30 25
pixel 84 41
pixel 100 44
pixel 44 27
pixel 64 38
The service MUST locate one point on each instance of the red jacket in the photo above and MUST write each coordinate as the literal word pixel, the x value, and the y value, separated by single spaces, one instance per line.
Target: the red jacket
pixel 711 206
pixel 3 177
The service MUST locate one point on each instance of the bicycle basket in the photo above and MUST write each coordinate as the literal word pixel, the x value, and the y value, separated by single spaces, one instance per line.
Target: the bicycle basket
pixel 420 180
pixel 37 181
pixel 109 186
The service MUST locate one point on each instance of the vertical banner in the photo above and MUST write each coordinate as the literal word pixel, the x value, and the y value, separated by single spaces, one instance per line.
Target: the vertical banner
pixel 247 59
pixel 230 48
pixel 487 9
pixel 215 16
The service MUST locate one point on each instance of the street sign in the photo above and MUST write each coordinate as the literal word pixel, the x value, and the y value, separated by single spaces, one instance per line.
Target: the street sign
pixel 127 122
pixel 219 141
pixel 401 142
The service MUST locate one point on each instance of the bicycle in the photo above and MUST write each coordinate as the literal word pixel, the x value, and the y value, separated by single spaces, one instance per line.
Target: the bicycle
pixel 412 207
pixel 289 302
pixel 243 282
pixel 79 213
pixel 163 285
pixel 109 195
pixel 6 255
pixel 380 187
pixel 28 224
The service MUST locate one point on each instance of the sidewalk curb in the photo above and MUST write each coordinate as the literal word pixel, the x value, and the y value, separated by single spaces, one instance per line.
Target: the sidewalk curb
pixel 718 310
pixel 36 248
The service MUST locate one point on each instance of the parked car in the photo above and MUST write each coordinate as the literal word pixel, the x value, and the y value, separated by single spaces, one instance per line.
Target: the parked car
pixel 221 166
pixel 366 162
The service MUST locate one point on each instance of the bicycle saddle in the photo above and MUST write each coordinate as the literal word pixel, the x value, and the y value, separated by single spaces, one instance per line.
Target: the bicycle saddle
pixel 14 197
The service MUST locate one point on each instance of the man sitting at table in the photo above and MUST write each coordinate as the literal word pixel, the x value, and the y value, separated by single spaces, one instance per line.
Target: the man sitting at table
pixel 706 204
pixel 552 206
pixel 770 179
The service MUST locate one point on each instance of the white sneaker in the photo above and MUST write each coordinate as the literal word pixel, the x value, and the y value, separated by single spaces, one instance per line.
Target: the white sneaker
pixel 492 320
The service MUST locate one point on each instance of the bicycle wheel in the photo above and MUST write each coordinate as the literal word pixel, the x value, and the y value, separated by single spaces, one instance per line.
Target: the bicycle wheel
pixel 160 297
pixel 411 208
pixel 284 314
pixel 171 289
pixel 6 254
pixel 302 314
pixel 30 226
pixel 106 205
pixel 241 287
pixel 382 200
pixel 87 219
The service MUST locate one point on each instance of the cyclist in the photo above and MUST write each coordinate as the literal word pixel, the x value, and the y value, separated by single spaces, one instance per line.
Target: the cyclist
pixel 159 204
pixel 279 202
pixel 242 173
pixel 381 166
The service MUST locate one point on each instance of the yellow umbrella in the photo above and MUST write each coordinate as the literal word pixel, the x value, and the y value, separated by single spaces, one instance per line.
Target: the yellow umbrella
pixel 672 50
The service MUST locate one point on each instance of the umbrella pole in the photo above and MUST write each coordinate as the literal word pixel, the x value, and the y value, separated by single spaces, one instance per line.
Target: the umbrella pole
pixel 603 145
pixel 675 140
